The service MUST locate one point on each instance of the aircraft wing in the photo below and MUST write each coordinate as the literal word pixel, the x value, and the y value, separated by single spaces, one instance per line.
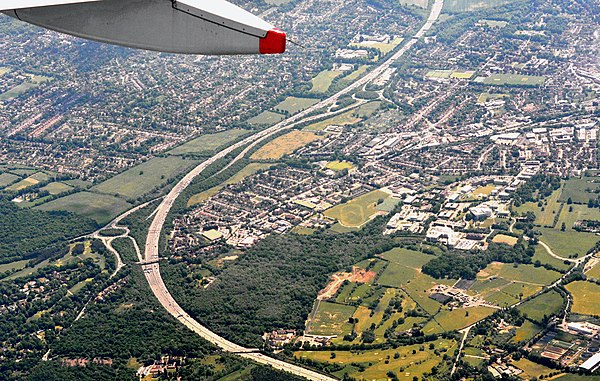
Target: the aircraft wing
pixel 7 5
pixel 175 26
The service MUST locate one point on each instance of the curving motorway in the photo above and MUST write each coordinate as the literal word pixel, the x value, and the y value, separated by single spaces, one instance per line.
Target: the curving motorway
pixel 151 254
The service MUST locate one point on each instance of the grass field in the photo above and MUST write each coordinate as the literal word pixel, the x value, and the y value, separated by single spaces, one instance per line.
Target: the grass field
pixel 358 211
pixel 484 97
pixel 467 74
pixel 580 212
pixel 577 189
pixel 543 217
pixel 439 74
pixel 322 82
pixel 542 255
pixel 339 165
pixel 531 369
pixel 586 297
pixel 568 242
pixel 99 207
pixel 208 143
pixel 238 177
pixel 521 273
pixel 494 23
pixel 4 70
pixel 379 362
pixel 472 5
pixel 356 74
pixel 506 239
pixel 415 3
pixel 594 272
pixel 382 47
pixel 577 377
pixel 266 118
pixel 28 182
pixel 511 80
pixel 284 145
pixel 544 305
pixel 461 317
pixel 525 332
pixel 7 179
pixel 484 191
pixel 55 188
pixel 293 105
pixel 144 178
pixel 347 118
pixel 18 265
pixel 332 319
pixel 406 257
pixel 17 91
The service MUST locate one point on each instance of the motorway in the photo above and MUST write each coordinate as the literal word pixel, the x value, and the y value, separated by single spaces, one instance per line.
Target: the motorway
pixel 151 253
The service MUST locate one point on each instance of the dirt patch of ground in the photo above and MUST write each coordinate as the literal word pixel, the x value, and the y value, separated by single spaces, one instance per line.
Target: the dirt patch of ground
pixel 357 275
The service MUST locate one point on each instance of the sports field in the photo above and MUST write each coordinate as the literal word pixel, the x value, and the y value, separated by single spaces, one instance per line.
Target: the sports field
pixel 266 118
pixel 238 177
pixel 339 165
pixel 144 178
pixel 586 297
pixel 544 305
pixel 506 239
pixel 208 143
pixel 284 145
pixel 99 207
pixel 358 211
pixel 485 97
pixel 322 82
pixel 293 105
pixel 512 80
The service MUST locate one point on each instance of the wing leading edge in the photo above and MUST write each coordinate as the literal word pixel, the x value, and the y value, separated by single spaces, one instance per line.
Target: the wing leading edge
pixel 7 5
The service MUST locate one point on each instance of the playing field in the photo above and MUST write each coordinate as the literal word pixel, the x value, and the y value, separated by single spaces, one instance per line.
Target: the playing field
pixel 358 211
pixel 321 83
pixel 382 47
pixel 99 207
pixel 293 105
pixel 506 239
pixel 468 74
pixel 439 74
pixel 208 143
pixel 144 178
pixel 339 165
pixel 547 304
pixel 284 145
pixel 266 118
pixel 7 179
pixel 580 190
pixel 55 188
pixel 379 362
pixel 331 319
pixel 586 297
pixel 484 97
pixel 17 91
pixel 248 170
pixel 511 80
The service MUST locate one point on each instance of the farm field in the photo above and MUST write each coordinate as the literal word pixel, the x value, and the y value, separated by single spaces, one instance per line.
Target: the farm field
pixel 99 207
pixel 546 304
pixel 284 145
pixel 358 211
pixel 375 360
pixel 144 178
pixel 569 242
pixel 594 272
pixel 542 255
pixel 322 82
pixel 349 117
pixel 586 297
pixel 55 188
pixel 461 317
pixel 530 369
pixel 526 332
pixel 293 105
pixel 339 165
pixel 266 118
pixel 7 179
pixel 208 143
pixel 522 273
pixel 248 170
pixel 580 212
pixel 511 80
pixel 30 181
pixel 331 319
pixel 577 189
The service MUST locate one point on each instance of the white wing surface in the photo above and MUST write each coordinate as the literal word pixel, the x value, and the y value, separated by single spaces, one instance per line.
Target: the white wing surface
pixel 6 5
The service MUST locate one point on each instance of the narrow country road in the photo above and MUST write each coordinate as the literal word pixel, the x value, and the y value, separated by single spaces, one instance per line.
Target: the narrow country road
pixel 151 255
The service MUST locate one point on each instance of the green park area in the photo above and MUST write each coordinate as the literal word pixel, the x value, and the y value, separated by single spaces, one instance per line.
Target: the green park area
pixel 322 82
pixel 357 211
pixel 33 82
pixel 512 80
pixel 544 305
pixel 457 6
pixel 339 165
pixel 292 105
pixel 266 118
pixel 7 179
pixel 347 118
pixel 586 297
pixel 208 143
pixel 100 207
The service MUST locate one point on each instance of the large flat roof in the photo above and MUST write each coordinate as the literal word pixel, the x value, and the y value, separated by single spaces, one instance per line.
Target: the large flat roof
pixel 591 363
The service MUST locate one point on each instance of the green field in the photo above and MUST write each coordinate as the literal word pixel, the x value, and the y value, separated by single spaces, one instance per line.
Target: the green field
pixel 484 97
pixel 17 91
pixel 358 211
pixel 547 304
pixel 494 23
pixel 511 80
pixel 542 255
pixel 293 105
pixel 531 369
pixel 322 82
pixel 521 273
pixel 23 184
pixel 346 118
pixel 455 6
pixel 4 70
pixel 586 297
pixel 339 165
pixel 579 212
pixel 579 189
pixel 439 74
pixel 356 74
pixel 525 332
pixel 266 118
pixel 382 47
pixel 55 188
pixel 99 207
pixel 332 319
pixel 569 242
pixel 7 179
pixel 461 317
pixel 379 362
pixel 407 257
pixel 208 143
pixel 594 272
pixel 543 217
pixel 18 265
pixel 238 177
pixel 144 178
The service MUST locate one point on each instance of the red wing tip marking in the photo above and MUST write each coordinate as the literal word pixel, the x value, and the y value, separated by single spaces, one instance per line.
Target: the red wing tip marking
pixel 273 43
